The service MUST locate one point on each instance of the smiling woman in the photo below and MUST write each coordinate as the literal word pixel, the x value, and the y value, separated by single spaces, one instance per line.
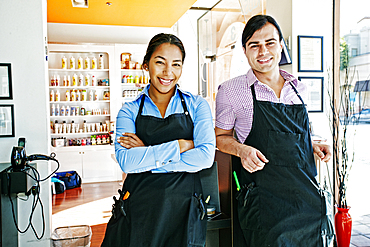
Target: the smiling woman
pixel 167 138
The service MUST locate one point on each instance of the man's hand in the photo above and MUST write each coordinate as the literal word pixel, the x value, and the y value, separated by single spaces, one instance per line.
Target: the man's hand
pixel 322 150
pixel 252 159
pixel 130 140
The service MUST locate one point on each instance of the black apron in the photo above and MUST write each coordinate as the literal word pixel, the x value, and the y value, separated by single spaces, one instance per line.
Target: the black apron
pixel 163 209
pixel 281 205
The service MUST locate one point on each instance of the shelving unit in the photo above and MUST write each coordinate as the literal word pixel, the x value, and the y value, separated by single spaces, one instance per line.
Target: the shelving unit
pixel 130 90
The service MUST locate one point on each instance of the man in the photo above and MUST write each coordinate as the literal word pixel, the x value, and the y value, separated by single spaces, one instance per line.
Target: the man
pixel 278 202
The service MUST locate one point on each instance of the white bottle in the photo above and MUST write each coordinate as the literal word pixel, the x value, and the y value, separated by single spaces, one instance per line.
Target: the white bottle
pixel 56 127
pixel 67 111
pixel 52 81
pixel 79 63
pixel 87 80
pixel 87 63
pixel 74 80
pixel 80 80
pixel 96 95
pixel 53 110
pixel 68 96
pixel 62 111
pixel 93 63
pixel 64 81
pixel 91 96
pixel 52 96
pixel 93 81
pixel 73 95
pixel 64 127
pixel 57 110
pixel 57 96
pixel 85 126
pixel 101 62
pixel 72 63
pixel 68 128
pixel 57 81
pixel 73 126
pixel 64 62
pixel 68 84
pixel 78 95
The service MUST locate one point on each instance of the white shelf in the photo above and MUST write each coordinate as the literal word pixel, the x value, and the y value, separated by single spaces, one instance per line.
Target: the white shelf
pixel 79 134
pixel 133 70
pixel 138 85
pixel 80 102
pixel 79 70
pixel 81 116
pixel 79 87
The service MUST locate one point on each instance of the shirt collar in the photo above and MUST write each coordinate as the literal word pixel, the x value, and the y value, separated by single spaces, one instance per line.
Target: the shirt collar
pixel 146 91
pixel 251 78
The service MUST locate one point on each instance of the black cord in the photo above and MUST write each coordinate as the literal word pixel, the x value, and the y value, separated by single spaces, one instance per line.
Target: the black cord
pixel 36 198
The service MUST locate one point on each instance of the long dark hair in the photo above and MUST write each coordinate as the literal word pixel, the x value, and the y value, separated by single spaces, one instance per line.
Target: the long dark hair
pixel 159 39
pixel 256 23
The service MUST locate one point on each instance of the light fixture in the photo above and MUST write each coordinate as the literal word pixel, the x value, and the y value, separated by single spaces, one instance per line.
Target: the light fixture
pixel 108 3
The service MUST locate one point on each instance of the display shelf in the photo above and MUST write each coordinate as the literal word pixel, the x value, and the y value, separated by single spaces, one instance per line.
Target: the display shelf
pixel 78 134
pixel 78 70
pixel 79 87
pixel 74 102
pixel 81 116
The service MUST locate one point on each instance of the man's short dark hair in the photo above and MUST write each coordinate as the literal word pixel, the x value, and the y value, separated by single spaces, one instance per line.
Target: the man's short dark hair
pixel 256 23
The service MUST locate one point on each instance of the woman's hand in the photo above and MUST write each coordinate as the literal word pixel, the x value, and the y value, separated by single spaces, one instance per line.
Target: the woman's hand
pixel 322 150
pixel 185 145
pixel 130 140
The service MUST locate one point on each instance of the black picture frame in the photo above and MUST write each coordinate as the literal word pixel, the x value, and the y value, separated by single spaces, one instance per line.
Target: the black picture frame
pixel 7 121
pixel 315 93
pixel 6 91
pixel 310 53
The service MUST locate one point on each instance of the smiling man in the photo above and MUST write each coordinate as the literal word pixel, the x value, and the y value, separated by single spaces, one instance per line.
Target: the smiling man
pixel 278 203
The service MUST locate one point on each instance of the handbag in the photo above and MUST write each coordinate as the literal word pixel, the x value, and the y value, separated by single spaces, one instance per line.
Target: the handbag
pixel 71 179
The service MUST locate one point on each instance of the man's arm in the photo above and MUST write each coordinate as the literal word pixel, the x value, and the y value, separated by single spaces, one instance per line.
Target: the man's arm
pixel 252 159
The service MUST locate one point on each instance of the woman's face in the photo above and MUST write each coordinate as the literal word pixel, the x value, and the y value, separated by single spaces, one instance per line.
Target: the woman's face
pixel 165 68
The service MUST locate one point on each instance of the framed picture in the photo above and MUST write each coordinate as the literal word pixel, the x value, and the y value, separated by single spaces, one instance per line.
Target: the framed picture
pixel 310 54
pixel 7 121
pixel 315 96
pixel 5 81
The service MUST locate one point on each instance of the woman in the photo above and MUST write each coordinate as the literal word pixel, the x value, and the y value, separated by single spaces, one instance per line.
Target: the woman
pixel 167 138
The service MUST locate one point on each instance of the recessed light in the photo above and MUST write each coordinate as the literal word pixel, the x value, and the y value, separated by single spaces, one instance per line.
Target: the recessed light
pixel 108 3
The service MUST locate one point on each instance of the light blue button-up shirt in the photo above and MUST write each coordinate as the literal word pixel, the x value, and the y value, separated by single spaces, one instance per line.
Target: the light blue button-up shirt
pixel 166 157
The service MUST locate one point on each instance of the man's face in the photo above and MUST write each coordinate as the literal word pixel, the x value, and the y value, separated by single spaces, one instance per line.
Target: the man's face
pixel 263 49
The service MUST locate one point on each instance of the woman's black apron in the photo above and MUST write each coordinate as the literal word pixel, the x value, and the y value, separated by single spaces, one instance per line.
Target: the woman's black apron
pixel 163 209
pixel 282 204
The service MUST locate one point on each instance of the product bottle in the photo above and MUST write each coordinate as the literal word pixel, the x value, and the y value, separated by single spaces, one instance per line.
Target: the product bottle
pixel 72 126
pixel 74 80
pixel 56 127
pixel 79 63
pixel 52 81
pixel 131 79
pixel 64 127
pixel 67 111
pixel 57 96
pixel 68 128
pixel 72 63
pixel 57 81
pixel 73 95
pixel 101 62
pixel 91 95
pixel 96 95
pixel 64 81
pixel 52 96
pixel 87 63
pixel 57 110
pixel 68 84
pixel 93 63
pixel 64 62
pixel 84 95
pixel 80 80
pixel 137 79
pixel 68 95
pixel 85 126
pixel 93 81
pixel 87 80
pixel 78 95
pixel 53 110
pixel 62 111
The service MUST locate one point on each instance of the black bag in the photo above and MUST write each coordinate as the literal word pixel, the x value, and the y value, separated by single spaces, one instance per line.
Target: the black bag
pixel 59 188
pixel 71 179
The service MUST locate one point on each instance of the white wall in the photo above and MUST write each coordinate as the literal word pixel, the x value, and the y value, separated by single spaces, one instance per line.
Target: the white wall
pixel 22 43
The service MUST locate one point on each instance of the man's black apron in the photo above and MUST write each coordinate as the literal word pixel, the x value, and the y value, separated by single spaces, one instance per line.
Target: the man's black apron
pixel 281 205
pixel 163 209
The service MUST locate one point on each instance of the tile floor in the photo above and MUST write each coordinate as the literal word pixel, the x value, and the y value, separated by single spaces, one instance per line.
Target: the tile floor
pixel 361 232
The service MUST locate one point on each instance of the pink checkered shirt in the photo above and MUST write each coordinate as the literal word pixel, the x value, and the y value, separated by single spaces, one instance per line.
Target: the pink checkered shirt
pixel 234 100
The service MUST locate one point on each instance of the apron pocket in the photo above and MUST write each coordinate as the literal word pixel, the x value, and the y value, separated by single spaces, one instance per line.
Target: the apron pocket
pixel 248 207
pixel 284 149
pixel 197 222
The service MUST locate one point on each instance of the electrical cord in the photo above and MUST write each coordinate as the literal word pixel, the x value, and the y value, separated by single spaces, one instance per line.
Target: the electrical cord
pixel 36 198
